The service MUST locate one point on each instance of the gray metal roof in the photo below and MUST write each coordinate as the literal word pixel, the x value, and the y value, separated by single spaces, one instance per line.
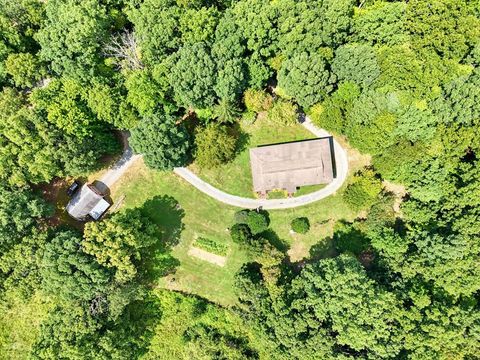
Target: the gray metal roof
pixel 83 202
pixel 291 165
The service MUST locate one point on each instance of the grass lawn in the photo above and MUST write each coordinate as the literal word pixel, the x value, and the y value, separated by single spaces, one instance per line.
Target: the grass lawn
pixel 236 177
pixel 203 216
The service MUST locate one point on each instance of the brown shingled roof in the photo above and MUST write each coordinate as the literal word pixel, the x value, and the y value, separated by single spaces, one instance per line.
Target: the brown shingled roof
pixel 291 165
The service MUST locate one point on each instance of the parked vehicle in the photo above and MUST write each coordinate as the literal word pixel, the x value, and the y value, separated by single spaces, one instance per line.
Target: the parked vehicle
pixel 72 189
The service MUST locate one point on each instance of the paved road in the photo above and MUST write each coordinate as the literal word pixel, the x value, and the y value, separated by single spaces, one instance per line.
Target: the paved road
pixel 121 165
pixel 342 171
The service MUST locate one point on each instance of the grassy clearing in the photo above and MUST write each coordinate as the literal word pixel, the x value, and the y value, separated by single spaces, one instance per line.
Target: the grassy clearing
pixel 203 216
pixel 236 177
pixel 200 215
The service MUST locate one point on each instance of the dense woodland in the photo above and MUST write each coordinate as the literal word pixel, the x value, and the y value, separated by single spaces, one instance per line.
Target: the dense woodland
pixel 399 79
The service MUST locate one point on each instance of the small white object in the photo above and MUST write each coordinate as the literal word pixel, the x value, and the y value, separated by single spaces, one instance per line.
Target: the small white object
pixel 99 209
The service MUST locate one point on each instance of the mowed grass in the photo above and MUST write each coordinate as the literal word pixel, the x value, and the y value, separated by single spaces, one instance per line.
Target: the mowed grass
pixel 202 217
pixel 206 217
pixel 235 177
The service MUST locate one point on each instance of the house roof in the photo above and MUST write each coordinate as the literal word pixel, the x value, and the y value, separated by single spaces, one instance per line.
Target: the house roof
pixel 291 165
pixel 85 201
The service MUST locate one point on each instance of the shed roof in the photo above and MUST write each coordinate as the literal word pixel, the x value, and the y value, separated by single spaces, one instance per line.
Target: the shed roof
pixel 84 201
pixel 291 165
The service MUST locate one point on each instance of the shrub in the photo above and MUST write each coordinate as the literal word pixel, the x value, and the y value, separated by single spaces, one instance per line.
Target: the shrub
pixel 363 191
pixel 240 234
pixel 214 146
pixel 257 222
pixel 300 225
pixel 257 100
pixel 283 113
pixel 211 246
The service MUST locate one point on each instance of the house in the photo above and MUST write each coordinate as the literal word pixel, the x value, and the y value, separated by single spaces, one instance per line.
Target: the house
pixel 288 166
pixel 87 203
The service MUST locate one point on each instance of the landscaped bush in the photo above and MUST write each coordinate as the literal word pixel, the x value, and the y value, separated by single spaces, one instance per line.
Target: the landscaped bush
pixel 215 146
pixel 363 191
pixel 300 225
pixel 257 221
pixel 283 113
pixel 257 100
pixel 211 246
pixel 240 234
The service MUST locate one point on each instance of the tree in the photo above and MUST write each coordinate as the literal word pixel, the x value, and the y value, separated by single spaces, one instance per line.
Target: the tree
pixel 231 80
pixel 20 213
pixel 363 190
pixel 192 76
pixel 240 234
pixel 24 68
pixel 226 111
pixel 257 100
pixel 300 225
pixel 163 143
pixel 356 63
pixel 72 35
pixel 35 150
pixel 156 26
pixel 70 273
pixel 257 221
pixel 306 78
pixel 283 113
pixel 119 242
pixel 214 146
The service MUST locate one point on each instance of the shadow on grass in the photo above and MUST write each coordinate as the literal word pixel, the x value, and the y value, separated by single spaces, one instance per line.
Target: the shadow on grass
pixel 274 239
pixel 243 138
pixel 166 212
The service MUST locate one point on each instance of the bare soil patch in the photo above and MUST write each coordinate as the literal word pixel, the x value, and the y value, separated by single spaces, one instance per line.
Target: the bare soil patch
pixel 206 256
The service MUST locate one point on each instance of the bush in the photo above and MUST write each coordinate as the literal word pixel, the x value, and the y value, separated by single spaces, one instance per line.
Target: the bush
pixel 214 146
pixel 257 222
pixel 363 191
pixel 300 225
pixel 240 234
pixel 257 100
pixel 283 113
pixel 211 246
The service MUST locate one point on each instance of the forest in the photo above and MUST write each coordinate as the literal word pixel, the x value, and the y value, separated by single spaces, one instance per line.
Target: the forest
pixel 399 80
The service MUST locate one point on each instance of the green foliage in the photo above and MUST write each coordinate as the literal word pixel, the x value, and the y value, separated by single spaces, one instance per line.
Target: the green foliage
pixel 231 80
pixel 283 113
pixel 257 221
pixel 356 63
pixel 119 242
pixel 300 225
pixel 72 35
pixel 211 246
pixel 163 143
pixel 447 27
pixel 226 112
pixel 331 114
pixel 362 192
pixel 240 233
pixel 258 101
pixel 24 68
pixel 306 78
pixel 214 146
pixel 70 273
pixel 192 76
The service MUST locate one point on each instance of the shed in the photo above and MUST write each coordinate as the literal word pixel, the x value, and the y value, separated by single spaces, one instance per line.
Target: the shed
pixel 289 166
pixel 87 203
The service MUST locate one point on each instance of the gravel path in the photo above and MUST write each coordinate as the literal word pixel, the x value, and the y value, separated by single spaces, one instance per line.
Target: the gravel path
pixel 342 171
pixel 119 168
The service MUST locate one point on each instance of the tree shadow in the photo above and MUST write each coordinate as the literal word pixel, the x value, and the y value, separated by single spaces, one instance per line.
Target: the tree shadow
pixel 322 250
pixel 242 137
pixel 274 239
pixel 166 212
